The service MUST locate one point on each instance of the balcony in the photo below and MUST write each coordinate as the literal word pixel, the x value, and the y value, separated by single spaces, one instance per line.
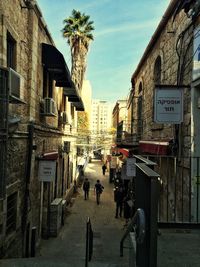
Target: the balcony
pixel 125 135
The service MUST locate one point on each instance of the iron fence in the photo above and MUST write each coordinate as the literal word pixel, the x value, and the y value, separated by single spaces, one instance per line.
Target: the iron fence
pixel 179 197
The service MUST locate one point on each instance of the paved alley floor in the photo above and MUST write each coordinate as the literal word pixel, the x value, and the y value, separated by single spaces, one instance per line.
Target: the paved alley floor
pixel 108 230
pixel 68 248
pixel 175 248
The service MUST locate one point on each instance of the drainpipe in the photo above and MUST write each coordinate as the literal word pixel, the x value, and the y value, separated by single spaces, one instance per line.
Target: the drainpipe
pixel 26 198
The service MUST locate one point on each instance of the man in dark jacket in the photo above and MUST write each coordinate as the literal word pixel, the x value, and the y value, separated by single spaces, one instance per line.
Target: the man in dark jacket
pixel 98 189
pixel 119 199
pixel 104 169
pixel 86 188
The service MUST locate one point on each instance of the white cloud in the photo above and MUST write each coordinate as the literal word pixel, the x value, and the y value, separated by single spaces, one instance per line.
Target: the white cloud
pixel 128 27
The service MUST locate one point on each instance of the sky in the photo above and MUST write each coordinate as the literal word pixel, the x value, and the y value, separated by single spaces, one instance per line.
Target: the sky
pixel 123 29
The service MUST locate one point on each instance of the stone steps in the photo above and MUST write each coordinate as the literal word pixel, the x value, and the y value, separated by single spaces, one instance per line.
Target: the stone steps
pixel 49 262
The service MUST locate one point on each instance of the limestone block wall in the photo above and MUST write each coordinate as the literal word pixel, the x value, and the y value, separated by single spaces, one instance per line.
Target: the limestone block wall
pixel 176 35
pixel 165 47
pixel 29 32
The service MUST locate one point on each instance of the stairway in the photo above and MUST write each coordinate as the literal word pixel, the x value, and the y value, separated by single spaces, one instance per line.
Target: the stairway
pixel 49 262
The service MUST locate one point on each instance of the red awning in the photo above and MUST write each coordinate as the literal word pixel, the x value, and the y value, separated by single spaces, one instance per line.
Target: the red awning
pixel 154 147
pixel 52 155
pixel 124 151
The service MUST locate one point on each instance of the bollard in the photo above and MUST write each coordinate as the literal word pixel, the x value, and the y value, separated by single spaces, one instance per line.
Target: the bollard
pixel 147 199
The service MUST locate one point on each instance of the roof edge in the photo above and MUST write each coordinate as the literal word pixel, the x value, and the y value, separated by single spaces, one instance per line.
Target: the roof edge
pixel 168 13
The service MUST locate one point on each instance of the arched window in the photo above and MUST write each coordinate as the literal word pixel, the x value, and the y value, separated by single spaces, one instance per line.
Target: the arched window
pixel 139 110
pixel 140 89
pixel 157 71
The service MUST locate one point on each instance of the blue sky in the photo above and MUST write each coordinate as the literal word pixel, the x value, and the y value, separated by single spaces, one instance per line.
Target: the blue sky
pixel 123 28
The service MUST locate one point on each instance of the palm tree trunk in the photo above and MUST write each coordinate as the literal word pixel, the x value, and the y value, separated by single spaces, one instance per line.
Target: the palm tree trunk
pixel 78 69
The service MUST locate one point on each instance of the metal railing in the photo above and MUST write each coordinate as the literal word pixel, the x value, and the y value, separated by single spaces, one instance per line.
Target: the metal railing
pixel 146 204
pixel 89 242
pixel 138 224
pixel 179 192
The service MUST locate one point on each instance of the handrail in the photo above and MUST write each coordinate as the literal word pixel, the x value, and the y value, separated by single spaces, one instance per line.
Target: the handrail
pixel 89 242
pixel 138 223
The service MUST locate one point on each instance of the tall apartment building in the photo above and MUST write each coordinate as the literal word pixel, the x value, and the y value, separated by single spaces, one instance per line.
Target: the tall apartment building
pixel 101 123
pixel 101 119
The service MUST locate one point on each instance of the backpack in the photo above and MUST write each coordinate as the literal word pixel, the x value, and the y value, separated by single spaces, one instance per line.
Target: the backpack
pixel 99 188
pixel 86 185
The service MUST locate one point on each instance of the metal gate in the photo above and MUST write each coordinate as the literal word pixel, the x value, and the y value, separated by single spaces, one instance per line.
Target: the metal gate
pixel 179 197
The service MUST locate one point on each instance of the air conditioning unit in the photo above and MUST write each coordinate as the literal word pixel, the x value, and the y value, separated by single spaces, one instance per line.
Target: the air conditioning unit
pixel 14 83
pixel 49 107
pixel 55 216
pixel 64 118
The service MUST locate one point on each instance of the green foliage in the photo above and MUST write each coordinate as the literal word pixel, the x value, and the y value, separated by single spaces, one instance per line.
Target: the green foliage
pixel 83 123
pixel 78 32
pixel 78 29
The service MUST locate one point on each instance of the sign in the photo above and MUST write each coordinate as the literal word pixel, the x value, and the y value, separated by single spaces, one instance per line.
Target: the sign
pixel 196 53
pixel 168 105
pixel 113 162
pixel 130 167
pixel 123 173
pixel 47 170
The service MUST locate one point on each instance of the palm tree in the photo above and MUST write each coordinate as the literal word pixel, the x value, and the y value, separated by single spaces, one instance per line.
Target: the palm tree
pixel 78 30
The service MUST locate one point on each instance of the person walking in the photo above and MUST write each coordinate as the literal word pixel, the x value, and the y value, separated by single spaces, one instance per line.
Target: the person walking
pixel 86 188
pixel 119 199
pixel 98 189
pixel 104 169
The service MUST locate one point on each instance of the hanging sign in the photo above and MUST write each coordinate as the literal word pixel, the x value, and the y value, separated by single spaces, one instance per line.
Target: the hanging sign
pixel 123 173
pixel 113 162
pixel 168 105
pixel 47 170
pixel 130 167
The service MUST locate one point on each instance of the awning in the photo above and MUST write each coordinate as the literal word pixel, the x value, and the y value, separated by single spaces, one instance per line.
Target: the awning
pixel 72 93
pixel 154 147
pixel 79 105
pixel 124 151
pixel 55 63
pixel 51 155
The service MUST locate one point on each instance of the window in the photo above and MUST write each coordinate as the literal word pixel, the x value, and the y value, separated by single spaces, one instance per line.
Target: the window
pixel 157 81
pixel 11 51
pixel 47 84
pixel 157 71
pixel 11 213
pixel 139 110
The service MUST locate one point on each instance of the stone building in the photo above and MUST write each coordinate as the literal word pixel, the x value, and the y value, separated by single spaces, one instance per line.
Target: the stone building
pixel 38 118
pixel 163 107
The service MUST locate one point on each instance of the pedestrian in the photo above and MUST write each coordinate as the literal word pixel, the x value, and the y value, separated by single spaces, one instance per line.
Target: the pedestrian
pixel 86 188
pixel 119 199
pixel 104 169
pixel 127 209
pixel 98 189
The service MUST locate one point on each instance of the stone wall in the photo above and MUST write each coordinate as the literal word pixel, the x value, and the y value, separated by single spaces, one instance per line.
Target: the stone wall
pixel 165 47
pixel 26 26
pixel 177 34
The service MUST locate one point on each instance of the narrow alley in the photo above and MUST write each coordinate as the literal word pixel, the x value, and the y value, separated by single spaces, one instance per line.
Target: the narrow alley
pixel 68 249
